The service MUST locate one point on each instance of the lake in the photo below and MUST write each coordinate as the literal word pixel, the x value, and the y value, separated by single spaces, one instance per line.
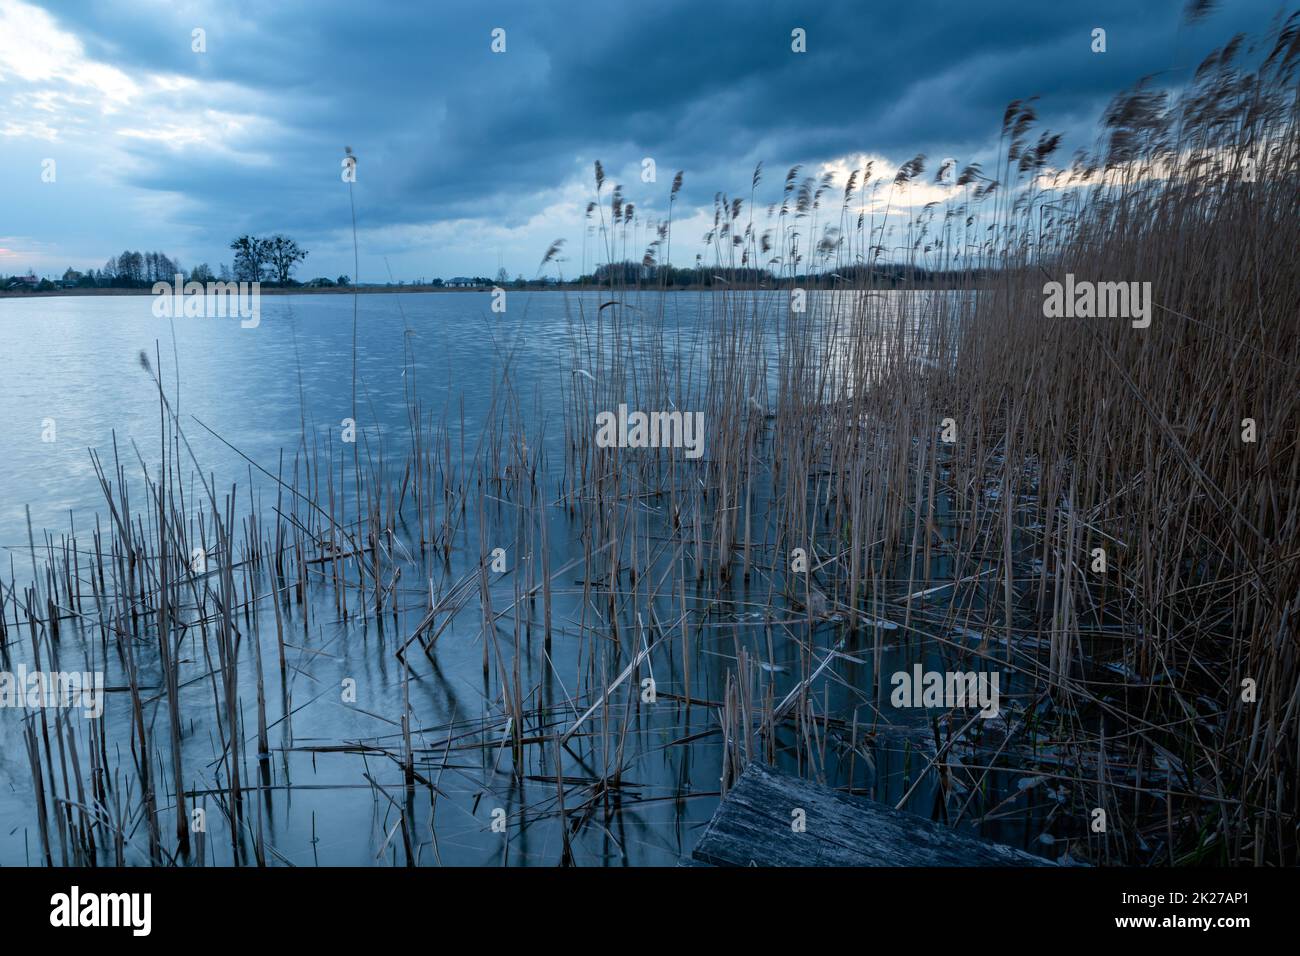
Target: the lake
pixel 640 773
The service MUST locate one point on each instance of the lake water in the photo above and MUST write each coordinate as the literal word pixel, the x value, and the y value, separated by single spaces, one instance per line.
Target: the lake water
pixel 71 379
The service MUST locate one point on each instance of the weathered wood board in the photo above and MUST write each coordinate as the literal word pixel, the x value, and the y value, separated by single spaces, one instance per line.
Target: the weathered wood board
pixel 752 827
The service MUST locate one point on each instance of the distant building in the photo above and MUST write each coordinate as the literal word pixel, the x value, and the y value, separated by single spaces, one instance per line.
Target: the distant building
pixel 461 282
pixel 23 282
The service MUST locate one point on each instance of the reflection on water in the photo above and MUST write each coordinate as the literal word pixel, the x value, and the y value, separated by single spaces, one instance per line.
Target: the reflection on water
pixel 638 776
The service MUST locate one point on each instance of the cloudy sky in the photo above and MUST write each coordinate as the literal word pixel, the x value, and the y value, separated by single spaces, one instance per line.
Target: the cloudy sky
pixel 471 159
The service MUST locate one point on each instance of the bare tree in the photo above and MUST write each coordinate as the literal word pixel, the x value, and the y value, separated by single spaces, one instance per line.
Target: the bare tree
pixel 284 254
pixel 251 256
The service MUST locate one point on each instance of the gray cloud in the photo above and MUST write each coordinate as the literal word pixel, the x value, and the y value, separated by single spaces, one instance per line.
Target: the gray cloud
pixel 448 131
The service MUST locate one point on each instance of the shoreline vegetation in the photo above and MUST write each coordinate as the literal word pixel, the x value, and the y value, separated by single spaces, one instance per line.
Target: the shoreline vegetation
pixel 1107 516
pixel 895 279
pixel 397 289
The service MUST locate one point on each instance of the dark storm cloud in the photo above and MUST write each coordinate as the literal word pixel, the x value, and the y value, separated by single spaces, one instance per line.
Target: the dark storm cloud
pixel 445 129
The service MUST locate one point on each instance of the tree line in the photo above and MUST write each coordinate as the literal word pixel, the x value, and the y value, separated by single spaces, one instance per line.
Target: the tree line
pixel 270 260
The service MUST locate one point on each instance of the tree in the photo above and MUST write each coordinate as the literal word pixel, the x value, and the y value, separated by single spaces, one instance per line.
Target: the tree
pixel 201 273
pixel 130 269
pixel 344 280
pixel 251 256
pixel 284 254
pixel 160 267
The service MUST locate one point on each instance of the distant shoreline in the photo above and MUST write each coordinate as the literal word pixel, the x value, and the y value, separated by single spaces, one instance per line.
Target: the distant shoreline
pixel 265 290
pixel 387 290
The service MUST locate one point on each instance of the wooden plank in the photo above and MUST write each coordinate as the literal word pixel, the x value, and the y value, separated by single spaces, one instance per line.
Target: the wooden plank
pixel 752 827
